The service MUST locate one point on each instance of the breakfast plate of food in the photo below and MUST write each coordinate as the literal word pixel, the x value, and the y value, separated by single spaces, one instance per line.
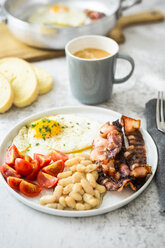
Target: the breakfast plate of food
pixel 77 161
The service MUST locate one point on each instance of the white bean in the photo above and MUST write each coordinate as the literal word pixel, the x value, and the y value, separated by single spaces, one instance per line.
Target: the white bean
pixel 68 189
pixel 90 200
pixel 52 205
pixel 100 188
pixel 72 161
pixel 97 194
pixel 80 168
pixel 91 180
pixel 64 174
pixel 77 187
pixel 87 187
pixel 70 202
pixel 76 177
pixel 86 162
pixel 73 168
pixel 65 181
pixel 62 201
pixel 95 174
pixel 80 206
pixel 45 199
pixel 90 167
pixel 75 196
pixel 58 192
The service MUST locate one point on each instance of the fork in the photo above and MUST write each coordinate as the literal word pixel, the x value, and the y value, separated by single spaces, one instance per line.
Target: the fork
pixel 160 112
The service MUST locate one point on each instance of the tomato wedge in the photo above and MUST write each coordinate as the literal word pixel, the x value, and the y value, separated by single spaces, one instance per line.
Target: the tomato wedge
pixel 7 171
pixel 23 167
pixel 46 180
pixel 58 155
pixel 36 167
pixel 42 159
pixel 11 154
pixel 27 158
pixel 54 168
pixel 14 182
pixel 29 189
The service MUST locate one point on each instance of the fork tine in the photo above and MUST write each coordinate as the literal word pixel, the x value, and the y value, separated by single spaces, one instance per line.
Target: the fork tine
pixel 162 107
pixel 157 110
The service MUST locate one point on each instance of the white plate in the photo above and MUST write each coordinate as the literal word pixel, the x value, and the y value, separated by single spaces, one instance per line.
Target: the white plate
pixel 111 200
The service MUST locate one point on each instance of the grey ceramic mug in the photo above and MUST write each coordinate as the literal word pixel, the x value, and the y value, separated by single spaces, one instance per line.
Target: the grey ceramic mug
pixel 92 80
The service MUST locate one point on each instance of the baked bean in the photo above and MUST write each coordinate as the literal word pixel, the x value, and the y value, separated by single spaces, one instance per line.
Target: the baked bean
pixel 87 187
pixel 70 202
pixel 64 174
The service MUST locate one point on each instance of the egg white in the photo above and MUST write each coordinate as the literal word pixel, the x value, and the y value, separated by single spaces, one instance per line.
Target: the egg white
pixel 77 134
pixel 73 17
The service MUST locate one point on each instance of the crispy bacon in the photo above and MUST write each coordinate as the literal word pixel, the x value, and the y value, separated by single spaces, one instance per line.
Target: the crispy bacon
pixel 94 15
pixel 120 166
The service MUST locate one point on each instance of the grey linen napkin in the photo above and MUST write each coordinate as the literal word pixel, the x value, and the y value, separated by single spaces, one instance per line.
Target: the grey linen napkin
pixel 159 139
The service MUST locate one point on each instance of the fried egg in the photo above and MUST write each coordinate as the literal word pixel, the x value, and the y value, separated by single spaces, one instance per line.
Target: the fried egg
pixel 67 133
pixel 58 14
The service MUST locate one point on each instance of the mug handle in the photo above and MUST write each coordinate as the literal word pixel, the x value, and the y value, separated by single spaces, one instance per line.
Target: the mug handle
pixel 131 61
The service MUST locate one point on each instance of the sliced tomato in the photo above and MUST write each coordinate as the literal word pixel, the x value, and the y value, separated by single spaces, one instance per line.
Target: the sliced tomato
pixel 27 158
pixel 29 189
pixel 54 168
pixel 11 154
pixel 36 167
pixel 46 180
pixel 7 171
pixel 42 159
pixel 14 182
pixel 58 155
pixel 23 167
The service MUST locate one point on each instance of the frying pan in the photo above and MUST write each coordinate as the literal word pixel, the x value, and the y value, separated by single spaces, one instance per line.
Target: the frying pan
pixel 17 12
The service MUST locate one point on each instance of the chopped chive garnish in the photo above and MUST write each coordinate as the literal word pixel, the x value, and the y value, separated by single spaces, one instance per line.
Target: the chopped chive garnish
pixel 26 126
pixel 37 144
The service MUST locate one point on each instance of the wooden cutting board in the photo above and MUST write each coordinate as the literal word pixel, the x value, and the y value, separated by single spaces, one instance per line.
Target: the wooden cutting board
pixel 11 47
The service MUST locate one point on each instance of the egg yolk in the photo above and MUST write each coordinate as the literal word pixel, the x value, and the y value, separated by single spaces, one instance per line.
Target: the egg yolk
pixel 59 8
pixel 46 128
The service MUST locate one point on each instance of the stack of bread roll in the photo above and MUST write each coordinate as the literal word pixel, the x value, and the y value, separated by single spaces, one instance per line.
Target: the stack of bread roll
pixel 21 83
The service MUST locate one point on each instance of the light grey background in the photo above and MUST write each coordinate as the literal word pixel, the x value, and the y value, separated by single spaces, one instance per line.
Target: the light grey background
pixel 138 224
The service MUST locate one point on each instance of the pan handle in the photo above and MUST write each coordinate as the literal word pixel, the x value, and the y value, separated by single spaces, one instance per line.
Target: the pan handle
pixel 125 4
pixel 3 17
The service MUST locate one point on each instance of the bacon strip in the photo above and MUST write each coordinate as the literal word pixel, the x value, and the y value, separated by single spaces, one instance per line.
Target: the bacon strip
pixel 119 166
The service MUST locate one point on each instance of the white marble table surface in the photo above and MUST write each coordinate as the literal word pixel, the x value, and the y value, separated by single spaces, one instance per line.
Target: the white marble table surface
pixel 137 224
